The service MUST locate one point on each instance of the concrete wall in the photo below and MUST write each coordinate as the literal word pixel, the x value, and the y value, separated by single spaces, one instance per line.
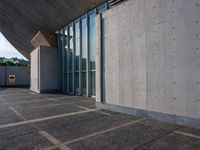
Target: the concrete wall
pixel 35 70
pixel 21 73
pixel 2 76
pixel 48 69
pixel 44 69
pixel 151 56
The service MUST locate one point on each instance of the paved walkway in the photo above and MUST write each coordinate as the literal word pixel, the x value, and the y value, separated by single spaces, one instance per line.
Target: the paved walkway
pixel 54 121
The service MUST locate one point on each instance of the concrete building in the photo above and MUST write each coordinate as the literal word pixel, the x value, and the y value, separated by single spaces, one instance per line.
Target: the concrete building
pixel 139 57
pixel 14 76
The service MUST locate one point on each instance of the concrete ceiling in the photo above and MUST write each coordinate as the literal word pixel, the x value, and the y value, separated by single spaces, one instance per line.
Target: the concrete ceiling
pixel 20 20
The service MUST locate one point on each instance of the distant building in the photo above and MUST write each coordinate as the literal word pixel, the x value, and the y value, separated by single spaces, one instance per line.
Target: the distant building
pixel 15 60
pixel 1 59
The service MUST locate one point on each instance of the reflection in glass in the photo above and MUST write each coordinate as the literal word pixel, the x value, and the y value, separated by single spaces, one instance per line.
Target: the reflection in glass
pixel 71 60
pixel 77 56
pixel 78 66
pixel 92 52
pixel 84 55
pixel 65 63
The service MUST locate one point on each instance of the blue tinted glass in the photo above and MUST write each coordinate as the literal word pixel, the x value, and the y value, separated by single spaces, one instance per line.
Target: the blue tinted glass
pixel 71 82
pixel 70 57
pixel 84 55
pixel 77 83
pixel 77 56
pixel 92 41
pixel 102 8
pixel 84 43
pixel 84 83
pixel 71 49
pixel 77 36
pixel 92 83
pixel 66 39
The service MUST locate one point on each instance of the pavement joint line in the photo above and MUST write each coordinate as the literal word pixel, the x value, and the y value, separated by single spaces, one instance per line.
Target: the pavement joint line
pixel 25 101
pixel 96 134
pixel 12 109
pixel 155 139
pixel 60 97
pixel 52 105
pixel 45 99
pixel 22 94
pixel 26 96
pixel 48 105
pixel 47 118
pixel 15 94
pixel 187 134
pixel 104 113
pixel 52 99
pixel 83 107
pixel 53 140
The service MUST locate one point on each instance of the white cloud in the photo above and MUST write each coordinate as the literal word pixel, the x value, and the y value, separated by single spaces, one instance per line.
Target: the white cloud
pixel 7 50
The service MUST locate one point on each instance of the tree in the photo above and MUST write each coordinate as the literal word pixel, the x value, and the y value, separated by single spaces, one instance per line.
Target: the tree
pixel 9 63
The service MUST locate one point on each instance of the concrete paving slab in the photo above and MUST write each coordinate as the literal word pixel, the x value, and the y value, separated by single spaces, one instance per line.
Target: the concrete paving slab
pixel 7 116
pixel 190 130
pixel 67 121
pixel 99 129
pixel 88 126
pixel 130 137
pixel 34 113
pixel 174 141
pixel 23 98
pixel 32 141
pixel 11 132
pixel 33 104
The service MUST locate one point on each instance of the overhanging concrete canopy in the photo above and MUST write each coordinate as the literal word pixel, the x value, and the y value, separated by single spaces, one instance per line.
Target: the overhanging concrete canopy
pixel 20 20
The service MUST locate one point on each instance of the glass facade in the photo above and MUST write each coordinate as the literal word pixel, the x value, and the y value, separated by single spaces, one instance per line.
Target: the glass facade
pixel 71 59
pixel 78 54
pixel 84 54
pixel 92 51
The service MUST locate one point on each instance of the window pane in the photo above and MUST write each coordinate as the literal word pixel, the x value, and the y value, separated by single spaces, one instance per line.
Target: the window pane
pixel 77 35
pixel 77 83
pixel 77 56
pixel 92 41
pixel 65 39
pixel 71 82
pixel 84 55
pixel 92 83
pixel 84 83
pixel 84 43
pixel 102 8
pixel 71 50
pixel 65 66
pixel 71 59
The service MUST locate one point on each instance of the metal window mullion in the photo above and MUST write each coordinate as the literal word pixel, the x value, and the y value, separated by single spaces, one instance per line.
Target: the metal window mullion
pixel 59 60
pixel 67 61
pixel 88 57
pixel 80 58
pixel 63 60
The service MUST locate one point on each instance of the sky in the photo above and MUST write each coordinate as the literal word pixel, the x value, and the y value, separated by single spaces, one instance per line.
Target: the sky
pixel 7 50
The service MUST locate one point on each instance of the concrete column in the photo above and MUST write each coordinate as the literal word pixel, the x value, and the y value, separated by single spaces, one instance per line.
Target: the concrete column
pixel 99 73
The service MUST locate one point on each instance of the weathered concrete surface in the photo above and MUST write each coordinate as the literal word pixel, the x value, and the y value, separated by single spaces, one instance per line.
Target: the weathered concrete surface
pixel 44 69
pixel 21 20
pixel 26 123
pixel 21 73
pixel 151 56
